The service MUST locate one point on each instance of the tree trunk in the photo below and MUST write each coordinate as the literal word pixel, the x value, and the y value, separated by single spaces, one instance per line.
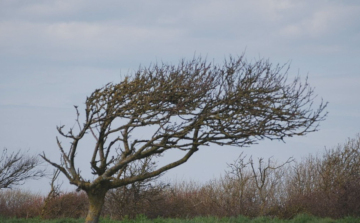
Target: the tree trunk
pixel 96 202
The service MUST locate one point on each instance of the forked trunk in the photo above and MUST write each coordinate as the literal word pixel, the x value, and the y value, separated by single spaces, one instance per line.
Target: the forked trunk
pixel 96 202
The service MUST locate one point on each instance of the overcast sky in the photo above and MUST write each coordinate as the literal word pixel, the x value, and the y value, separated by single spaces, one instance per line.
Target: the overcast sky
pixel 55 53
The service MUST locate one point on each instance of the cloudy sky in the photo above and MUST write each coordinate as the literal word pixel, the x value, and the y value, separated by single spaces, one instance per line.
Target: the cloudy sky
pixel 55 53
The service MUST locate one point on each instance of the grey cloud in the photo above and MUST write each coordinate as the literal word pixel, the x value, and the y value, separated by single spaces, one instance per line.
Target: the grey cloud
pixel 143 26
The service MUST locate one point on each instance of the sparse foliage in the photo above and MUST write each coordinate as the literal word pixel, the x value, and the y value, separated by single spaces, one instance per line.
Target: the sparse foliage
pixel 183 108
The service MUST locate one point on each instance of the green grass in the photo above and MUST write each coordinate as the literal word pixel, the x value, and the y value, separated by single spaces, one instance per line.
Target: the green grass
pixel 303 218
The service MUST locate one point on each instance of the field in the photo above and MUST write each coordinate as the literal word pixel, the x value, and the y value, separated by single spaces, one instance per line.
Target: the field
pixel 240 219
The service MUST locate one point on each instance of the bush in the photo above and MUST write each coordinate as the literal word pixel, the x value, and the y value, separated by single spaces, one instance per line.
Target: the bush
pixel 21 204
pixel 327 186
pixel 67 205
pixel 317 186
pixel 133 200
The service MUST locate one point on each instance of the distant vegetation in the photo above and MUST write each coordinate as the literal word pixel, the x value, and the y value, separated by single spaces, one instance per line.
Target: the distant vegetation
pixel 326 186
pixel 240 219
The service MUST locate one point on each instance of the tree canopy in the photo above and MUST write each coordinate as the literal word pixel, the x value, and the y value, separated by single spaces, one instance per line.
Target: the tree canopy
pixel 184 107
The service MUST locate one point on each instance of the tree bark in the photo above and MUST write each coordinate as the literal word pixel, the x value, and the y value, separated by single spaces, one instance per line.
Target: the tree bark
pixel 96 201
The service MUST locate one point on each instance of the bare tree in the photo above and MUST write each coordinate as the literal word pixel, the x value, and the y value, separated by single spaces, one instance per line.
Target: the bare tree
pixel 238 184
pixel 267 178
pixel 17 167
pixel 54 193
pixel 182 108
pixel 254 188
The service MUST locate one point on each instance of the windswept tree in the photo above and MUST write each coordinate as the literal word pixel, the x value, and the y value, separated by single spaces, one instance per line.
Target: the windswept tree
pixel 182 108
pixel 17 167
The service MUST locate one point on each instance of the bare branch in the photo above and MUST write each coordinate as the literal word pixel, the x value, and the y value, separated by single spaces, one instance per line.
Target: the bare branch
pixel 16 168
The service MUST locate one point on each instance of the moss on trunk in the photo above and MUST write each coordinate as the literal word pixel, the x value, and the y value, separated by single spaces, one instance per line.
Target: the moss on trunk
pixel 96 201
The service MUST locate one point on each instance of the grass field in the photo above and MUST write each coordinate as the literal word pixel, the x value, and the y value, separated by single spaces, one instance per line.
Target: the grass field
pixel 240 219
